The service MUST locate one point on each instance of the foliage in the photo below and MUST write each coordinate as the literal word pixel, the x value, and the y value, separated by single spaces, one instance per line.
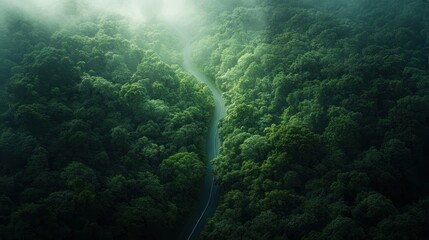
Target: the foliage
pixel 326 135
pixel 100 138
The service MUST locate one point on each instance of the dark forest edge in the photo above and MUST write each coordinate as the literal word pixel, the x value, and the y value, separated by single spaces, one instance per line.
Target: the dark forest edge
pixel 99 137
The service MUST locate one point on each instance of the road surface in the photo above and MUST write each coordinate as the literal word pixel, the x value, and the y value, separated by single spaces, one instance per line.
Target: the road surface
pixel 207 205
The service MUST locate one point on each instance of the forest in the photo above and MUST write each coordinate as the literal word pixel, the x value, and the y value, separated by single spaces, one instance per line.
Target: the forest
pixel 100 137
pixel 103 132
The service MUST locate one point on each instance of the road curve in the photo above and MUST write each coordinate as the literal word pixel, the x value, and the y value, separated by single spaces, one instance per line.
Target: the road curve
pixel 207 205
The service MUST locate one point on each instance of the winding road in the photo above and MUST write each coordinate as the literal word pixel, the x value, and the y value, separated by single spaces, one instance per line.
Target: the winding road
pixel 207 204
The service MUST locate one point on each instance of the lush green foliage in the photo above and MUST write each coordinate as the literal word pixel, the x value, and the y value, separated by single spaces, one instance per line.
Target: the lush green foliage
pixel 99 139
pixel 326 134
pixel 327 130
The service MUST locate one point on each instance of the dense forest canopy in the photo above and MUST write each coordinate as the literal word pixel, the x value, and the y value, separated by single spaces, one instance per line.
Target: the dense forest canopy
pixel 326 135
pixel 103 133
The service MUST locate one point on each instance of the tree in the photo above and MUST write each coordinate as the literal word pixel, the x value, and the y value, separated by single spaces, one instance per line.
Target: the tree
pixel 35 221
pixel 343 228
pixel 133 94
pixel 349 184
pixel 77 174
pixel 182 174
pixel 52 67
pixel 296 143
pixel 33 117
pixel 343 131
pixel 373 207
pixel 254 148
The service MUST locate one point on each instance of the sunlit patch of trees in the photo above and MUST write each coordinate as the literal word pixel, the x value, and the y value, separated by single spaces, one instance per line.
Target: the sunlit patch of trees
pixel 326 135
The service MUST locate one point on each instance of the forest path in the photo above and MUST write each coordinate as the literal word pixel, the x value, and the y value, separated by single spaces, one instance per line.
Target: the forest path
pixel 208 200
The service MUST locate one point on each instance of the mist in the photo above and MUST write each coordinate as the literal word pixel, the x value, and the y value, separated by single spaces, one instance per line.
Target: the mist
pixel 67 11
pixel 214 119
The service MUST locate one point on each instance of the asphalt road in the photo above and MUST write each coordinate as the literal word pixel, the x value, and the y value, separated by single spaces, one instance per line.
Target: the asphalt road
pixel 207 204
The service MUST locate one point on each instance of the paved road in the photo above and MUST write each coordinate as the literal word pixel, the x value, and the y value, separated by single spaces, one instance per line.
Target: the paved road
pixel 208 201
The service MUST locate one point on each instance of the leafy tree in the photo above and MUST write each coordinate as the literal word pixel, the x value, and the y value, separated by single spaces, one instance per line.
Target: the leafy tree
pixel 35 221
pixel 343 228
pixel 180 172
pixel 373 208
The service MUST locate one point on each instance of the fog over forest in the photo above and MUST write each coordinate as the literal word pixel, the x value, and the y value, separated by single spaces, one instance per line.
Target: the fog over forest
pixel 214 119
pixel 66 10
